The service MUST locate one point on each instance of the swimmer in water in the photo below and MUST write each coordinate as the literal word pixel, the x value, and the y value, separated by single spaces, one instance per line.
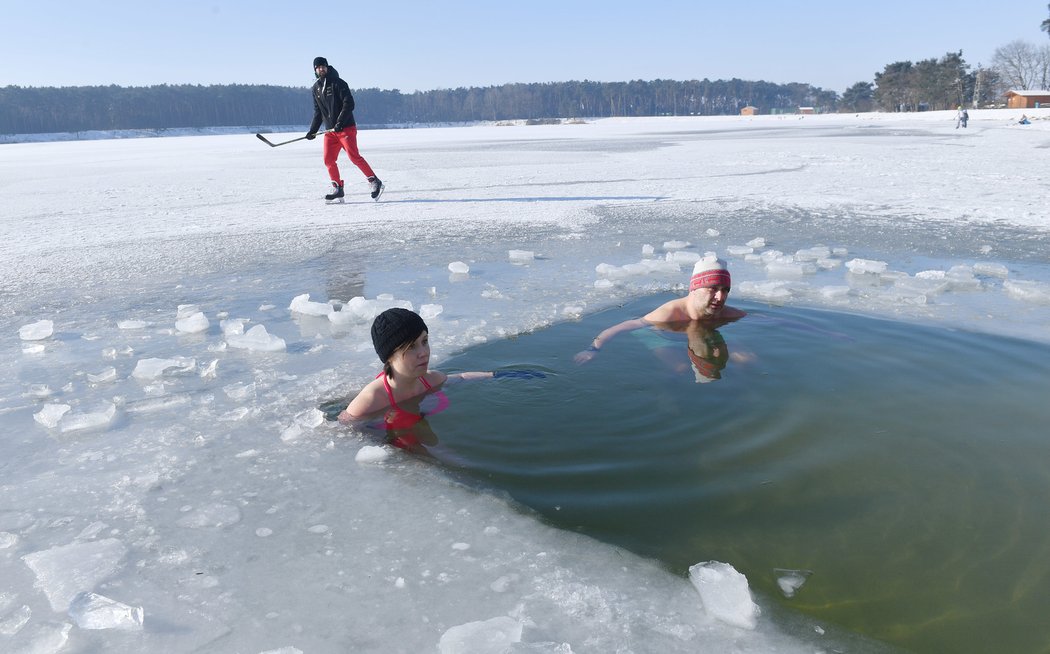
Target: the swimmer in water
pixel 706 302
pixel 402 341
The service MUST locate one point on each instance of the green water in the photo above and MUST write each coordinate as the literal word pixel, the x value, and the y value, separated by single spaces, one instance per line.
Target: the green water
pixel 907 468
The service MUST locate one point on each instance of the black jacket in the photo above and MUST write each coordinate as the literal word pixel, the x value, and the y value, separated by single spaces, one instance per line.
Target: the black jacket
pixel 333 102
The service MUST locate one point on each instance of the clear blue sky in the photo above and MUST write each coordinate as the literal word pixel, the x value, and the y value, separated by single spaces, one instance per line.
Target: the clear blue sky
pixel 425 44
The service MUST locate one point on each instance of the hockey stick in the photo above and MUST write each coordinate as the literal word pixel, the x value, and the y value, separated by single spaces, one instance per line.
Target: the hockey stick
pixel 274 145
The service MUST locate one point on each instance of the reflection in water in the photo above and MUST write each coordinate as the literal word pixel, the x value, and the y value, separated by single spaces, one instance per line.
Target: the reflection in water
pixel 861 457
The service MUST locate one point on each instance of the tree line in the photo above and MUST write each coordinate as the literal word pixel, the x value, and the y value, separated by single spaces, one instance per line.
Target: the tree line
pixel 948 81
pixel 33 110
pixel 936 83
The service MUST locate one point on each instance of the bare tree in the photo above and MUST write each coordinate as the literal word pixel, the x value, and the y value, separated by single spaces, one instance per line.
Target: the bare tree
pixel 1046 23
pixel 1023 66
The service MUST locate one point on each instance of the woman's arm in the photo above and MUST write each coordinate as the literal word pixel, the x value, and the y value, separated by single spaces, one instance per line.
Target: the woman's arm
pixel 457 377
pixel 367 402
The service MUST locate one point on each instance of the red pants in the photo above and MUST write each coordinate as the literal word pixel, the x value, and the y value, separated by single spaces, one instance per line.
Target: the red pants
pixel 334 143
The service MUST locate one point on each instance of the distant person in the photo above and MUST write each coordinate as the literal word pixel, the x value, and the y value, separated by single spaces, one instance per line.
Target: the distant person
pixel 708 290
pixel 965 118
pixel 1024 120
pixel 334 104
pixel 406 391
pixel 961 117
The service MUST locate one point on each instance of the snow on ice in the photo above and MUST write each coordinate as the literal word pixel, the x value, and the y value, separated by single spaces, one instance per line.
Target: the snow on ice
pixel 169 481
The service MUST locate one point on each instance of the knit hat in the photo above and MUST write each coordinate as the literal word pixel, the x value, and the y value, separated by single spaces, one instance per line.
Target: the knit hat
pixel 320 61
pixel 709 271
pixel 393 328
pixel 708 368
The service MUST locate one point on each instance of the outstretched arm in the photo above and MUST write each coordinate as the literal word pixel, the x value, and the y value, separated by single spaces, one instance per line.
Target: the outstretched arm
pixel 606 335
pixel 457 377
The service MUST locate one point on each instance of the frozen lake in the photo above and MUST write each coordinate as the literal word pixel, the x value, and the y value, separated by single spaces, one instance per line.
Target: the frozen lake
pixel 189 475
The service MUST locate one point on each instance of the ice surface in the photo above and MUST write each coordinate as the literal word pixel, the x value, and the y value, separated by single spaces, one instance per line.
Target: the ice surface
pixel 36 331
pixel 221 514
pixel 211 516
pixel 93 611
pixel 725 593
pixel 64 571
pixel 493 636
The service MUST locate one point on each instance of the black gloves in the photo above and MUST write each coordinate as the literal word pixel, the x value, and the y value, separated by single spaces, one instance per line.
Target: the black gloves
pixel 337 128
pixel 311 136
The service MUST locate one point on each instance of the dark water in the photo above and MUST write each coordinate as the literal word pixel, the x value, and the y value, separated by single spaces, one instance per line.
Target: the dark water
pixel 906 468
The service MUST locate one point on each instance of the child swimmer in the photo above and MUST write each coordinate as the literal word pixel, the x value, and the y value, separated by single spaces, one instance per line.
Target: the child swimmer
pixel 402 341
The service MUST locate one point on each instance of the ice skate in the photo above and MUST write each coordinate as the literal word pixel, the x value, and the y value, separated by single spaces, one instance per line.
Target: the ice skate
pixel 376 186
pixel 336 194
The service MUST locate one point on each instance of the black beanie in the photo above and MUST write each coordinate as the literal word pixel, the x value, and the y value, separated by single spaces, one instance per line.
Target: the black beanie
pixel 320 61
pixel 393 328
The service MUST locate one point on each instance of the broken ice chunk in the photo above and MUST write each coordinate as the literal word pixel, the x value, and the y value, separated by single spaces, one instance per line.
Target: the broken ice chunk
pixel 64 571
pixel 100 418
pixel 483 637
pixel 790 581
pixel 36 331
pixel 521 256
pixel 862 266
pixel 724 593
pixel 91 611
pixel 51 414
pixel 190 319
pixel 302 304
pixel 257 339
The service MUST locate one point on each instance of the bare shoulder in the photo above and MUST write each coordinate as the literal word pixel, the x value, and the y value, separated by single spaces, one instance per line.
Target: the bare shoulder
pixel 732 313
pixel 436 377
pixel 371 399
pixel 670 311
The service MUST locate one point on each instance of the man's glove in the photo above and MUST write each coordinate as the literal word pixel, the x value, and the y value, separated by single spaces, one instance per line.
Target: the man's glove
pixel 338 128
pixel 311 136
pixel 518 374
